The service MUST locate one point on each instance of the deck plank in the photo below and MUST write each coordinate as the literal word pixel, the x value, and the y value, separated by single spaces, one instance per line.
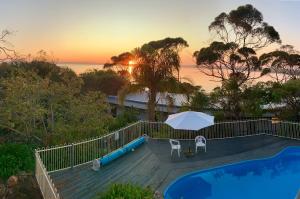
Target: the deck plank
pixel 151 164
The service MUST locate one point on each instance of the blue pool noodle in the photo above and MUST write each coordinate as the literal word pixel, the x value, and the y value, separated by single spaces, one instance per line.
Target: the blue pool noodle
pixel 122 151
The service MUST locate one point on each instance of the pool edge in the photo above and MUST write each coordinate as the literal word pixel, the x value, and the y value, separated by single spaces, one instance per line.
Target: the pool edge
pixel 225 165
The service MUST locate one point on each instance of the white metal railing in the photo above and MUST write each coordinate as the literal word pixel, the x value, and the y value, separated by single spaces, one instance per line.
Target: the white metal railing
pixel 44 181
pixel 72 155
pixel 286 129
pixel 67 156
pixel 219 130
pixel 75 154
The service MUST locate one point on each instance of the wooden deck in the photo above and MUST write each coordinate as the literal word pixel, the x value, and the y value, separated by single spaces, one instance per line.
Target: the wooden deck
pixel 151 164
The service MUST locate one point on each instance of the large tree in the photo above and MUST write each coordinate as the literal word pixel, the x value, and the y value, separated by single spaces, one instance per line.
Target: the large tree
pixel 284 63
pixel 155 67
pixel 232 58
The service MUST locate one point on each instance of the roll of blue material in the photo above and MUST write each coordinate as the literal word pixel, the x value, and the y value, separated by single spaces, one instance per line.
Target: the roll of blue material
pixel 119 152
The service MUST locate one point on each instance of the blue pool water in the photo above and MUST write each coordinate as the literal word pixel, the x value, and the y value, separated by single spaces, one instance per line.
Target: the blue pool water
pixel 277 177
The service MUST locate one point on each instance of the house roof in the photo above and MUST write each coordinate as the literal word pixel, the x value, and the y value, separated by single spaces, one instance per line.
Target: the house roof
pixel 140 100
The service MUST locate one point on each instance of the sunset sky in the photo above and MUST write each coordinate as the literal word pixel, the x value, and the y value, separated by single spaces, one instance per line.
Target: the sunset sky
pixel 91 31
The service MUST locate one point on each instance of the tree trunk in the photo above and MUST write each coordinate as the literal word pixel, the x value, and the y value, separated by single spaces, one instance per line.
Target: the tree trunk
pixel 46 137
pixel 27 130
pixel 236 111
pixel 151 104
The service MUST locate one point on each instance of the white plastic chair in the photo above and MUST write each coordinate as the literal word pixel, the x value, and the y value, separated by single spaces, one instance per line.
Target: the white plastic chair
pixel 200 141
pixel 175 145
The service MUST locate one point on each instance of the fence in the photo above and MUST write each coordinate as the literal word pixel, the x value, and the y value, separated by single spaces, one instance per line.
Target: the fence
pixel 46 185
pixel 217 131
pixel 63 157
pixel 286 129
pixel 234 119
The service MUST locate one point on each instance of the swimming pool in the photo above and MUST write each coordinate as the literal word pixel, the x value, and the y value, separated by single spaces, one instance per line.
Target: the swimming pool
pixel 277 177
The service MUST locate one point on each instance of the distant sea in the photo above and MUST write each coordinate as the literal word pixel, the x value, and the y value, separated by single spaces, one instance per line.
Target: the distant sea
pixel 187 73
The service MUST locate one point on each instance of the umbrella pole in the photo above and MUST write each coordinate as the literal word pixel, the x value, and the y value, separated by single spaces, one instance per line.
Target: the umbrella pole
pixel 190 142
pixel 190 151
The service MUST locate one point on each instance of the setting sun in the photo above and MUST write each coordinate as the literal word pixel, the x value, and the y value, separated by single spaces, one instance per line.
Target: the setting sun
pixel 167 99
pixel 131 62
pixel 130 67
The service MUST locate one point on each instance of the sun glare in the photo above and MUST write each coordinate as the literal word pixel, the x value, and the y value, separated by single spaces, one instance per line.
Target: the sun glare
pixel 130 67
pixel 131 62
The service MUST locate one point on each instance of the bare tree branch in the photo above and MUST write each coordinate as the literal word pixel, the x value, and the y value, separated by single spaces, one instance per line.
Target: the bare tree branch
pixel 7 53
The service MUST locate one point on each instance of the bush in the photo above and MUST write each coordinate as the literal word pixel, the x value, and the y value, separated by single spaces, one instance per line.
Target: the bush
pixel 219 116
pixel 126 191
pixel 15 158
pixel 108 81
pixel 127 117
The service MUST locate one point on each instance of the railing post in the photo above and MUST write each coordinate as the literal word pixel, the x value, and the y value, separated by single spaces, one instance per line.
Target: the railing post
pixel 72 155
pixel 123 137
pixel 35 157
pixel 140 128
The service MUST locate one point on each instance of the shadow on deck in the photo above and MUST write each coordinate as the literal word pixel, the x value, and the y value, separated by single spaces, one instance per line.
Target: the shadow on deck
pixel 151 164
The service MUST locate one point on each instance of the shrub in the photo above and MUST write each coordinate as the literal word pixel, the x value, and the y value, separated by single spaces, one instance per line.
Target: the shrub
pixel 126 191
pixel 15 158
pixel 125 118
pixel 219 116
pixel 108 82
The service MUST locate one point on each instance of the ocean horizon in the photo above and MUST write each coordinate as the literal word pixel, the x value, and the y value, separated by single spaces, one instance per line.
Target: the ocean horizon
pixel 189 73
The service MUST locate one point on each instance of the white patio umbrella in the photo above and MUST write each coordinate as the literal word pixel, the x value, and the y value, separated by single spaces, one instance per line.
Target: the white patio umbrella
pixel 190 120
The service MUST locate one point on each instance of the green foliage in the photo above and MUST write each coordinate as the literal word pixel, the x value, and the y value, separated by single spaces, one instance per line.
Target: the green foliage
pixel 85 116
pixel 126 191
pixel 42 69
pixel 253 98
pixel 232 58
pixel 9 166
pixel 199 101
pixel 288 115
pixel 21 101
pixel 15 158
pixel 249 21
pixel 289 93
pixel 245 102
pixel 214 52
pixel 108 82
pixel 50 106
pixel 284 62
pixel 219 116
pixel 240 32
pixel 126 117
pixel 228 98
